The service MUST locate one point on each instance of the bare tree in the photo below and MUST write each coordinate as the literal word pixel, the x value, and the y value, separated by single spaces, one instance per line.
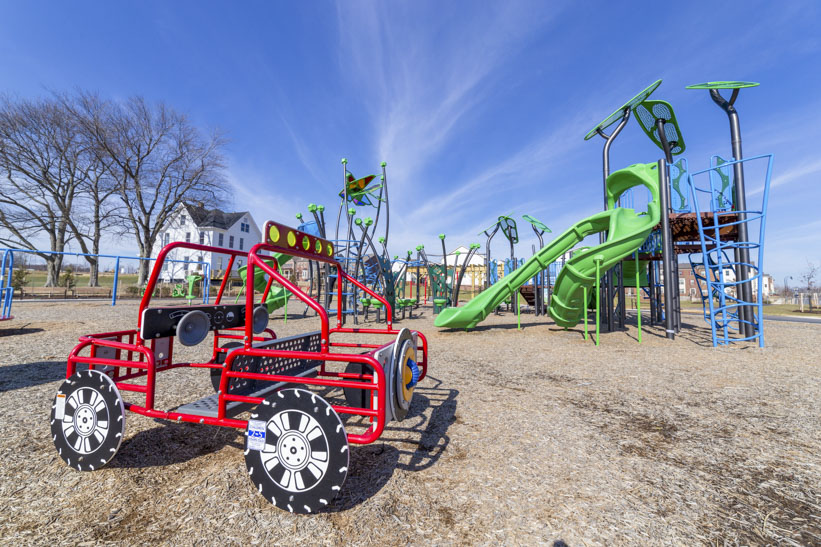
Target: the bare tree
pixel 98 209
pixel 158 160
pixel 40 163
pixel 808 278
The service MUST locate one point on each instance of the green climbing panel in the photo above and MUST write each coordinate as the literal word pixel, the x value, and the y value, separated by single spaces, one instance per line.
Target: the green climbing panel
pixel 648 112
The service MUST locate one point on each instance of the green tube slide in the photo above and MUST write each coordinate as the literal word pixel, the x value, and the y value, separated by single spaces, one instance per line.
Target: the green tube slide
pixel 626 231
pixel 277 296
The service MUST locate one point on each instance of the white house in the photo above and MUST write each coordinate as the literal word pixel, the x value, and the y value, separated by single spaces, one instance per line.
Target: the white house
pixel 196 224
pixel 476 266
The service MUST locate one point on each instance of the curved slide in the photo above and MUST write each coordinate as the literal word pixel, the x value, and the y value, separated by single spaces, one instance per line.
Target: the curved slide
pixel 277 296
pixel 626 231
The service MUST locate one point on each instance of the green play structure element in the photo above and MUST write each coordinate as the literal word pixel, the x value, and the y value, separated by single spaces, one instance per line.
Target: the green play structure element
pixel 179 289
pixel 723 85
pixel 633 268
pixel 508 227
pixel 626 231
pixel 277 296
pixel 648 112
pixel 539 225
pixel 619 112
pixel 721 197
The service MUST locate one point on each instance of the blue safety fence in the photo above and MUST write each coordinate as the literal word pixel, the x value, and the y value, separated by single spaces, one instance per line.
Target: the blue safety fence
pixel 113 261
pixel 6 288
pixel 720 244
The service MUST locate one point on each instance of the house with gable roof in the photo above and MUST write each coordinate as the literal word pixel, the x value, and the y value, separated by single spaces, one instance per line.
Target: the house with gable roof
pixel 194 223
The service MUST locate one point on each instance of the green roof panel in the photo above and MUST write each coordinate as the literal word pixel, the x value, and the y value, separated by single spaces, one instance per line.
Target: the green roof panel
pixel 619 112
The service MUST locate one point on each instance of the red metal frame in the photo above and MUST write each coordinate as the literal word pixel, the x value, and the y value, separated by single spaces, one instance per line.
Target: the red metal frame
pixel 133 359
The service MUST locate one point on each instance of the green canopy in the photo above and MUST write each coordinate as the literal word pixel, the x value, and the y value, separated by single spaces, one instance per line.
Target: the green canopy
pixel 619 112
pixel 539 225
pixel 723 85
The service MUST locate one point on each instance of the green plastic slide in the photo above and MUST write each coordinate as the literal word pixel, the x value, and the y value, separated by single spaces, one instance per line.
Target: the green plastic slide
pixel 626 231
pixel 277 296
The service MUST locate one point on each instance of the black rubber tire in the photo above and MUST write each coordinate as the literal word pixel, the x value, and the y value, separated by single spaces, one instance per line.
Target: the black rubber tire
pixel 89 432
pixel 358 398
pixel 216 373
pixel 296 451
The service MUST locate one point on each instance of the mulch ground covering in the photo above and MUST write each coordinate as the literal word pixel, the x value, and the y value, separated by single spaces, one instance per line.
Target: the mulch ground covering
pixel 516 437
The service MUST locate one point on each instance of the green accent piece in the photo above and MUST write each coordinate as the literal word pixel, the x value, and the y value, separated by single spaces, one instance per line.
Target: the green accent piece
pixel 358 222
pixel 376 303
pixel 598 259
pixel 619 112
pixel 368 221
pixel 626 232
pixel 631 273
pixel 320 208
pixel 365 302
pixel 352 211
pixel 475 245
pixel 311 207
pixel 420 247
pixel 518 313
pixel 457 253
pixel 179 290
pixel 508 226
pixel 381 239
pixel 646 115
pixel 299 216
pixel 638 296
pixel 723 85
pixel 344 161
pixel 277 296
pixel 440 301
pixel 723 202
pixel 584 296
pixel 540 225
pixel 383 164
pixel 441 236
pixel 678 172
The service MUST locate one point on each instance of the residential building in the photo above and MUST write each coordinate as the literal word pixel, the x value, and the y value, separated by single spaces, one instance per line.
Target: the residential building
pixel 196 224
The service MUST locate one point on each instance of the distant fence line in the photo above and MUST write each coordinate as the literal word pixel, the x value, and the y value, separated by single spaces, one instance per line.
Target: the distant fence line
pixel 115 261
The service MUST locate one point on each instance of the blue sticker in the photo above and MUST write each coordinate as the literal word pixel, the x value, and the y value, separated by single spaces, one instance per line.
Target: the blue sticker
pixel 256 435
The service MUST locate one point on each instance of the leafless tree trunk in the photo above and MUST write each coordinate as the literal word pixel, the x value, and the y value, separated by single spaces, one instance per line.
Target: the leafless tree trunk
pixel 39 154
pixel 158 160
pixel 808 278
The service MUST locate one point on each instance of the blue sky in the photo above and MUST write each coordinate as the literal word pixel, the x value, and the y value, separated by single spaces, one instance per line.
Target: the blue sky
pixel 479 108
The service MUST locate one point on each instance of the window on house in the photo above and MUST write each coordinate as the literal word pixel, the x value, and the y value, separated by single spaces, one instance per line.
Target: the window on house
pixel 185 265
pixel 241 243
pixel 188 237
pixel 202 238
pixel 222 241
pixel 182 220
pixel 219 263
pixel 230 242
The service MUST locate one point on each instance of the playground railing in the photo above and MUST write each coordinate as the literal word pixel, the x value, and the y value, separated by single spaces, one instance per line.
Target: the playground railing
pixel 6 288
pixel 114 262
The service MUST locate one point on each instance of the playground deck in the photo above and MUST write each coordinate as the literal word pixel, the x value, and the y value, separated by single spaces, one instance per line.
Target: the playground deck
pixel 519 437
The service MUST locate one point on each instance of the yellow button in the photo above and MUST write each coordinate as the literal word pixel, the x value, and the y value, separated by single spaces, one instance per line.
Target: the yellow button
pixel 306 242
pixel 291 239
pixel 273 233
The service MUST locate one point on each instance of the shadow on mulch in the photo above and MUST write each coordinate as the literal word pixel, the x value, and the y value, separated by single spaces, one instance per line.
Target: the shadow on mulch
pixel 25 375
pixel 426 439
pixel 19 331
pixel 174 442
